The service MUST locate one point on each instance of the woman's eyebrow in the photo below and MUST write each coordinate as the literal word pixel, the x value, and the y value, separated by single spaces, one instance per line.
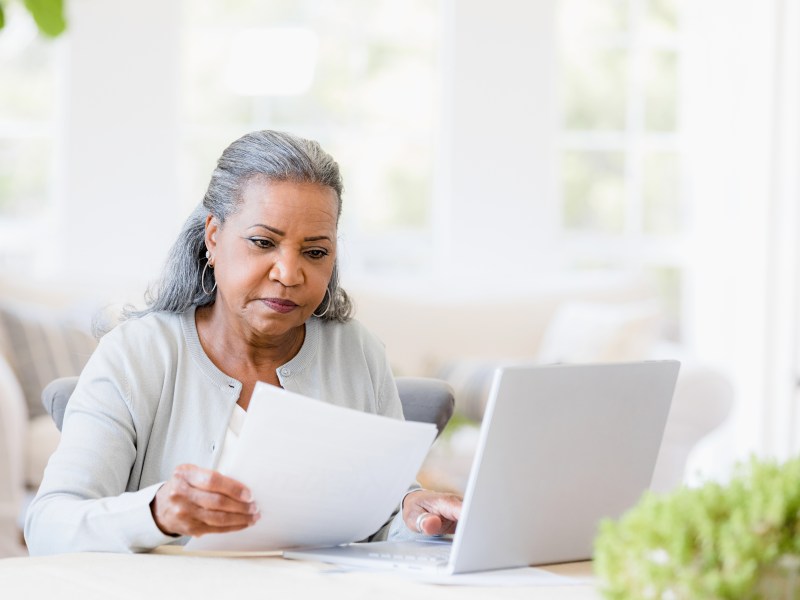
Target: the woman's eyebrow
pixel 268 228
pixel 314 238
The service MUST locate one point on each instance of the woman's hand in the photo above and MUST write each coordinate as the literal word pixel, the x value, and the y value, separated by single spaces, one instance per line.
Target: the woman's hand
pixel 195 501
pixel 431 513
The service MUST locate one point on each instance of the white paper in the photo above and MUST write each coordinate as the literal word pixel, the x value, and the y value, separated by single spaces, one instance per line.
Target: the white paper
pixel 320 474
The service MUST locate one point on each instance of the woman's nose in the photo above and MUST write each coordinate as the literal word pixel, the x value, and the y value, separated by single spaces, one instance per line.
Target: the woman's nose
pixel 286 270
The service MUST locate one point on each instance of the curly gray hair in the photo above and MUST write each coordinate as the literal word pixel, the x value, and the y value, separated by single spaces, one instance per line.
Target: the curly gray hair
pixel 273 156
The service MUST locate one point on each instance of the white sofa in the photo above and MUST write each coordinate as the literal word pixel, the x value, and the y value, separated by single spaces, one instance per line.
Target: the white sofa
pixel 45 333
pixel 427 333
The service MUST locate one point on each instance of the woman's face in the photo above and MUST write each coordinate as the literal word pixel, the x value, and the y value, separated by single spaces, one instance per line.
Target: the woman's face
pixel 274 257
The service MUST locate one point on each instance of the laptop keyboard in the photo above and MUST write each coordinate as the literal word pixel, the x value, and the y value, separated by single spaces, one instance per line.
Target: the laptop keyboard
pixel 430 553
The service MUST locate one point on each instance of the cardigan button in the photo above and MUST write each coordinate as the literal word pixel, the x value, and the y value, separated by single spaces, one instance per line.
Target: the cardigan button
pixel 286 371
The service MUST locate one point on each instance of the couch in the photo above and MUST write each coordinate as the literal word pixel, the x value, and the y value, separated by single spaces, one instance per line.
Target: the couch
pixel 438 333
pixel 45 333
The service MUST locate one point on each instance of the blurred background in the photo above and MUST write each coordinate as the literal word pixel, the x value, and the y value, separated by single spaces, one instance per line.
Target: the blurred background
pixel 545 159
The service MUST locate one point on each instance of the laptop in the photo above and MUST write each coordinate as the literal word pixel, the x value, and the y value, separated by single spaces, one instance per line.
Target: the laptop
pixel 561 447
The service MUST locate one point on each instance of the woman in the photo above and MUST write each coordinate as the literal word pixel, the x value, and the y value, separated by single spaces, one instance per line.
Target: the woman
pixel 250 293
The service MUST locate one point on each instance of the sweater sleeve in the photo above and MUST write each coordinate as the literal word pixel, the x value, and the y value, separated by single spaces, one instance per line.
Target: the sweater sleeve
pixel 82 503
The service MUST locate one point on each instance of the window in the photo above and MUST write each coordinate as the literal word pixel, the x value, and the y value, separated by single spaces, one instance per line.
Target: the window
pixel 357 75
pixel 27 110
pixel 620 154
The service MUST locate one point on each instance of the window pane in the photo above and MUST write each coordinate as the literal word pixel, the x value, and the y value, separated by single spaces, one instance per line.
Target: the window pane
pixel 593 89
pixel 27 106
pixel 662 211
pixel 594 191
pixel 594 19
pixel 27 77
pixel 392 186
pixel 25 171
pixel 661 17
pixel 661 91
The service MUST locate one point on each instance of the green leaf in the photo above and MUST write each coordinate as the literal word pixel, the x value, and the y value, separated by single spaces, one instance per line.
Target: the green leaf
pixel 716 541
pixel 49 16
pixel 2 17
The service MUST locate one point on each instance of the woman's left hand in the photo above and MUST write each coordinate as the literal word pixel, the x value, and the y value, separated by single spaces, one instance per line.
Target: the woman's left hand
pixel 431 513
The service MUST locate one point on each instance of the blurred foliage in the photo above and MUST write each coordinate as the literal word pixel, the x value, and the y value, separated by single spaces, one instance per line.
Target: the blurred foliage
pixel 25 172
pixel 662 16
pixel 660 193
pixel 457 421
pixel 29 82
pixel 594 191
pixel 594 93
pixel 661 91
pixel 734 541
pixel 48 15
pixel 592 19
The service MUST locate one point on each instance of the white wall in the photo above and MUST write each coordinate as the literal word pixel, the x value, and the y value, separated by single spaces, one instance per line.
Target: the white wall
pixel 742 140
pixel 118 186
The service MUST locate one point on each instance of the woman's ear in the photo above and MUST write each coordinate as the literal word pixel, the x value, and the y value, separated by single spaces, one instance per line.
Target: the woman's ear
pixel 212 228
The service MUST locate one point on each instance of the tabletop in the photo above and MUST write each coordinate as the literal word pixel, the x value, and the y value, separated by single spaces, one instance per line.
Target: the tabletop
pixel 164 574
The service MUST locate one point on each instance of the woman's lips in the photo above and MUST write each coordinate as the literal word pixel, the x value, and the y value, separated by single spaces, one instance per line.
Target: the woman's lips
pixel 279 305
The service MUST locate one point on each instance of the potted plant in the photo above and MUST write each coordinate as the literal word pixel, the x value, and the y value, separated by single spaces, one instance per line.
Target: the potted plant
pixel 738 540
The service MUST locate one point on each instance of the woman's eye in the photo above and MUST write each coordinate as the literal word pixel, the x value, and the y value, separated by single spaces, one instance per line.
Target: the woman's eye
pixel 262 242
pixel 317 253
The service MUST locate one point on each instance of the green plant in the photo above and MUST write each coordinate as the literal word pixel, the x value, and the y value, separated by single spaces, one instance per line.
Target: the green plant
pixel 48 14
pixel 716 541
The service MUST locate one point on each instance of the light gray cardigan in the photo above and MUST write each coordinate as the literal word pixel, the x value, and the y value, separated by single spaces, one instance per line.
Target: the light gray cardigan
pixel 150 399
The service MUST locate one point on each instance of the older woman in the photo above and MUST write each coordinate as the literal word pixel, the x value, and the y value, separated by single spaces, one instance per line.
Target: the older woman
pixel 250 293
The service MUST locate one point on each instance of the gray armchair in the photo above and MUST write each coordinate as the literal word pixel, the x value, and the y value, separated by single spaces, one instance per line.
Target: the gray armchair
pixel 424 399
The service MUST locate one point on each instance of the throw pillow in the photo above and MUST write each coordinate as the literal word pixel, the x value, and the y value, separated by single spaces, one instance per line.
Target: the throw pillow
pixel 585 332
pixel 41 347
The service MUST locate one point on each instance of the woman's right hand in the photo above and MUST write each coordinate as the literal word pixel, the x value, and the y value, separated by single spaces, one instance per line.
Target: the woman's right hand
pixel 195 501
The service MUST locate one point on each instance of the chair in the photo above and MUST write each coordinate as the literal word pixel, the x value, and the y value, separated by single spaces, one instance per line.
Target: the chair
pixel 424 399
pixel 703 400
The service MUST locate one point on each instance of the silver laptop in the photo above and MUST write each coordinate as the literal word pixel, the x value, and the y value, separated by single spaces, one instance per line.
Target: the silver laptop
pixel 561 447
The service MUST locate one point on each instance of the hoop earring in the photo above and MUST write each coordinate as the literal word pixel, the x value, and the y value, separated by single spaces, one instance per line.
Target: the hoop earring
pixel 203 275
pixel 327 308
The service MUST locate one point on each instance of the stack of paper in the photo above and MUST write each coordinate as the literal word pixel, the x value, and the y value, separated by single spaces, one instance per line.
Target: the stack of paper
pixel 320 474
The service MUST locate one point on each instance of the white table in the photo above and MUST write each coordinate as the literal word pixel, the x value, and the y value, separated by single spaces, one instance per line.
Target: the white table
pixel 90 576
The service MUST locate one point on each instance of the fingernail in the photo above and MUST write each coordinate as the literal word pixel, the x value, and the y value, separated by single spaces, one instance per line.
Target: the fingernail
pixel 253 508
pixel 246 496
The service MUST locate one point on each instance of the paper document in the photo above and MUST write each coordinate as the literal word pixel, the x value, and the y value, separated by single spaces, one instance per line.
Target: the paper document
pixel 320 474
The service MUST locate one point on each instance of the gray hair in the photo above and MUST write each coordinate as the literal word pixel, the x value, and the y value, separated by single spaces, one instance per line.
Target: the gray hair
pixel 267 155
